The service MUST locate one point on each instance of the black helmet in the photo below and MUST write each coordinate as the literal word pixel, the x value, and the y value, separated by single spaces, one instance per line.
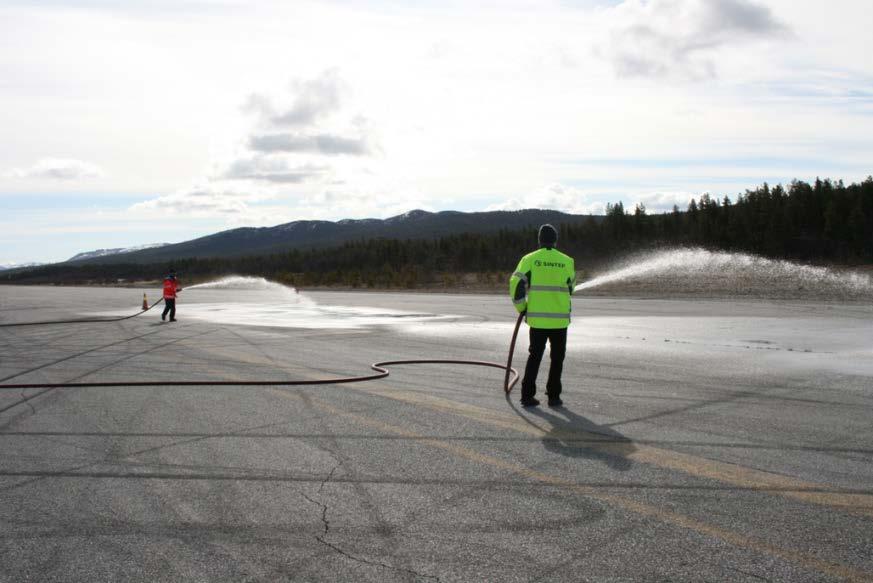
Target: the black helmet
pixel 548 236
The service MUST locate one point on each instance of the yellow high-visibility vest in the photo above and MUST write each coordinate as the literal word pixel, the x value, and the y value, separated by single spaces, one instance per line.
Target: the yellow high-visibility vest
pixel 542 284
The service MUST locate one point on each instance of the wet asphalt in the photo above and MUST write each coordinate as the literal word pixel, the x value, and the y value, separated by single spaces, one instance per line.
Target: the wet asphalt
pixel 701 440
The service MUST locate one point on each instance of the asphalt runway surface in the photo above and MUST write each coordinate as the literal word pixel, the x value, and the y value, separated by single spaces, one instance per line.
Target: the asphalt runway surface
pixel 700 440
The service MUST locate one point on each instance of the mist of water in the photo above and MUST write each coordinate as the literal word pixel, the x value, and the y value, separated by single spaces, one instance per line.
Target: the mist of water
pixel 241 282
pixel 700 268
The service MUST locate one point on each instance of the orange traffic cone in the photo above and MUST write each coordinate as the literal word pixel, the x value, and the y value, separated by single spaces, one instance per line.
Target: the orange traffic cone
pixel 145 302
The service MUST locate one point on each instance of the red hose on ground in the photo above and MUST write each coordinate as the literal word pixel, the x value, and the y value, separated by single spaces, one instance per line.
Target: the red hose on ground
pixel 507 386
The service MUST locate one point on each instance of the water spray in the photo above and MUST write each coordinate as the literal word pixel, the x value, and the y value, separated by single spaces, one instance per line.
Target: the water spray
pixel 721 270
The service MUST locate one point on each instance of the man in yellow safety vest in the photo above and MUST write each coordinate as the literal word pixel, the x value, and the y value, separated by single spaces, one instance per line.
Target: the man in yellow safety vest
pixel 541 286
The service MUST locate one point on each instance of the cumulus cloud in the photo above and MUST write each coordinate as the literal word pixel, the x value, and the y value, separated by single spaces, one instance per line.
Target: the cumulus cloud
pixel 663 38
pixel 659 202
pixel 199 201
pixel 317 122
pixel 299 144
pixel 556 197
pixel 326 144
pixel 315 143
pixel 59 169
pixel 315 100
pixel 573 200
pixel 275 170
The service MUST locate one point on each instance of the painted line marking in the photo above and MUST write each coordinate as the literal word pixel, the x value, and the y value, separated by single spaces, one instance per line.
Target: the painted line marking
pixel 666 516
pixel 748 478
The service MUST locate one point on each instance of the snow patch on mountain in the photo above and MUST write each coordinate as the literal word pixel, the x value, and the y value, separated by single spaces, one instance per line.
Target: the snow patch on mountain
pixel 116 251
pixel 13 265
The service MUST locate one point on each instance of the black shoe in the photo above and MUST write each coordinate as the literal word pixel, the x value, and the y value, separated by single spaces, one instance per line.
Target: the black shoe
pixel 555 402
pixel 163 318
pixel 172 319
pixel 531 402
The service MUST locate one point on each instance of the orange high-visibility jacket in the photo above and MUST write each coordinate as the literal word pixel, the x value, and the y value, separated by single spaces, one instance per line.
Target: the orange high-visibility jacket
pixel 170 288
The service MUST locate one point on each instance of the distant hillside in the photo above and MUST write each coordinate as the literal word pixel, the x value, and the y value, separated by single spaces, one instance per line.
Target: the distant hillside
pixel 8 266
pixel 825 222
pixel 116 251
pixel 418 224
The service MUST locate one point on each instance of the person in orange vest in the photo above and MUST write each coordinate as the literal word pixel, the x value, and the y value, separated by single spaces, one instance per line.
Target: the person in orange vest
pixel 171 288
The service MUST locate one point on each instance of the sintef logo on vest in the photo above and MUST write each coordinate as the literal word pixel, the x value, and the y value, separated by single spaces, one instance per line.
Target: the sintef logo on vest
pixel 539 263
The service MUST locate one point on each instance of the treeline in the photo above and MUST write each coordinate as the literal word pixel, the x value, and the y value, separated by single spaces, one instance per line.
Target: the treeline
pixel 821 222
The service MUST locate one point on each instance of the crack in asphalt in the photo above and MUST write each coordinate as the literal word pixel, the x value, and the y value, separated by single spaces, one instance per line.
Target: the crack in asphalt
pixel 326 525
pixel 328 478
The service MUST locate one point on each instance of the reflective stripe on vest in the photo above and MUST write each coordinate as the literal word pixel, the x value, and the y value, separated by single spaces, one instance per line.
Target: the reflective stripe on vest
pixel 550 288
pixel 520 276
pixel 547 315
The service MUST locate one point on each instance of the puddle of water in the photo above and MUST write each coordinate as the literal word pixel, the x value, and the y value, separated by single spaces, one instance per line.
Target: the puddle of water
pixel 300 315
pixel 255 301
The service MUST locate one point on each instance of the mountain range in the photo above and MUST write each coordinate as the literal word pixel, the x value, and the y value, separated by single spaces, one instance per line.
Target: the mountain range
pixel 417 224
pixel 116 251
pixel 7 266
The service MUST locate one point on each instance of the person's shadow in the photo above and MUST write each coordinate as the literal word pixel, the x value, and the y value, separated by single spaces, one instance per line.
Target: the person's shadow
pixel 576 436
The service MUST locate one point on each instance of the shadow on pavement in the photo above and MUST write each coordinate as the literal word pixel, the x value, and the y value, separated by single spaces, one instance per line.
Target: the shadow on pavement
pixel 573 435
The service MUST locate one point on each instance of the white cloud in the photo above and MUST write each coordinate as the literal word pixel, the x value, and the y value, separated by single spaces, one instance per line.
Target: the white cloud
pixel 59 169
pixel 274 163
pixel 554 196
pixel 660 202
pixel 274 169
pixel 324 144
pixel 678 38
pixel 577 201
pixel 321 125
pixel 201 201
pixel 314 100
pixel 324 130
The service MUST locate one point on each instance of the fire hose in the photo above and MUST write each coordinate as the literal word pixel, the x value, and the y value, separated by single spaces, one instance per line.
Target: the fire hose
pixel 145 309
pixel 510 379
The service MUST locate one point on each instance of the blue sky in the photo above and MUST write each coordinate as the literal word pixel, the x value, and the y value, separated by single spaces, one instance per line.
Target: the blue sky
pixel 142 122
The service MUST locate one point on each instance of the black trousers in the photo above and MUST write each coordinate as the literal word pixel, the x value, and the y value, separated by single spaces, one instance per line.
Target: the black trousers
pixel 169 306
pixel 558 341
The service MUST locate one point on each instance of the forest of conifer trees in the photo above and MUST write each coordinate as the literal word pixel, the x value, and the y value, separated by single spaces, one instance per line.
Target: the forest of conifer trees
pixel 824 222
